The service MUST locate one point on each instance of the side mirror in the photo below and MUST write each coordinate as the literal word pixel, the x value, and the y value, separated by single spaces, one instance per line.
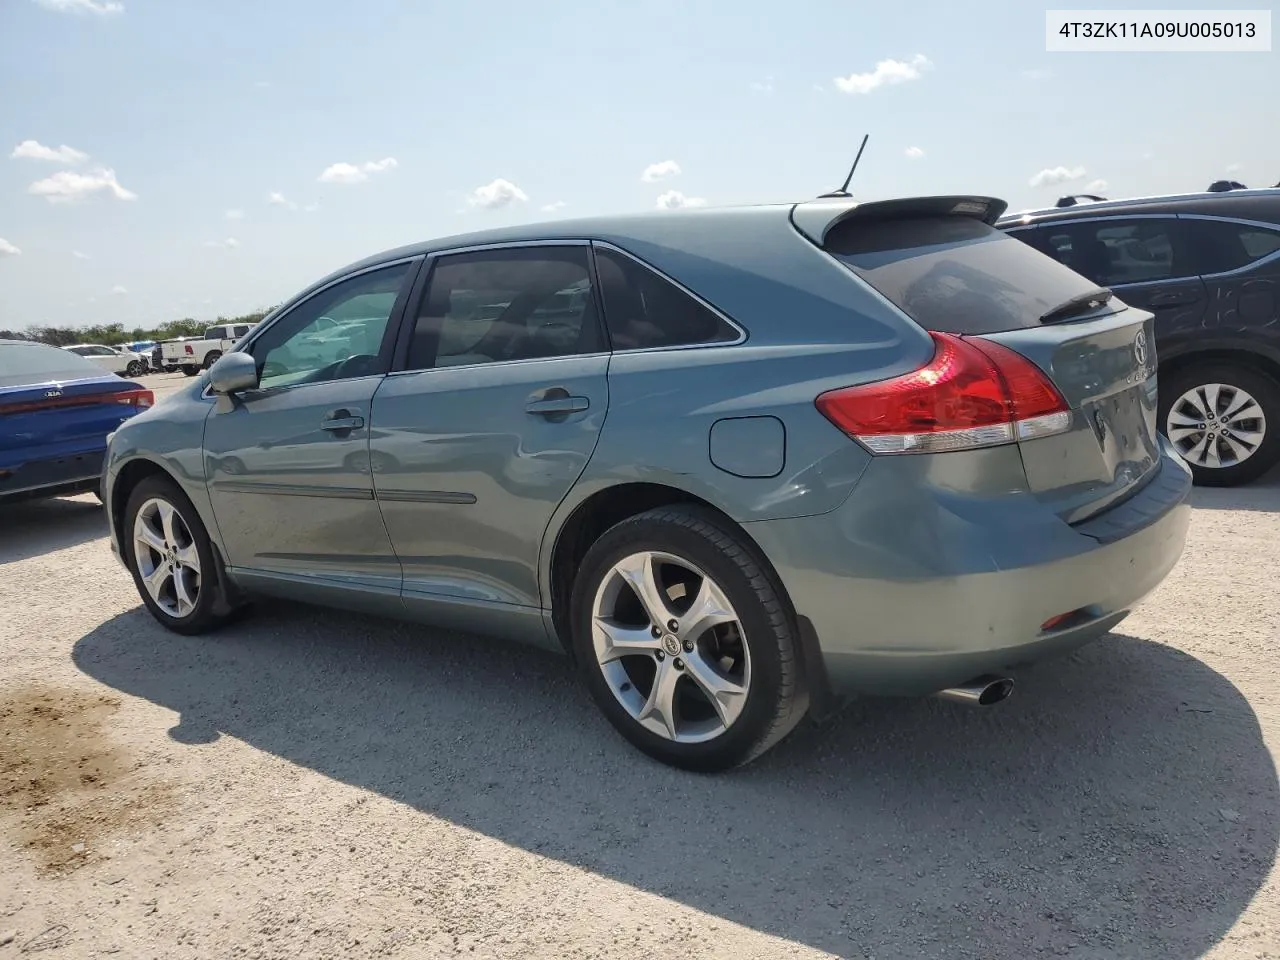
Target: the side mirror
pixel 233 372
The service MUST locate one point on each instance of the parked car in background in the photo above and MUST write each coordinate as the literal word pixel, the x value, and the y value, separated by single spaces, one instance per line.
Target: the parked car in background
pixel 142 349
pixel 56 411
pixel 112 359
pixel 1208 267
pixel 734 462
pixel 192 355
pixel 159 361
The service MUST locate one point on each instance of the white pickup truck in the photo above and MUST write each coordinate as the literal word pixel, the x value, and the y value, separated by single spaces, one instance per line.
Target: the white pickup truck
pixel 192 356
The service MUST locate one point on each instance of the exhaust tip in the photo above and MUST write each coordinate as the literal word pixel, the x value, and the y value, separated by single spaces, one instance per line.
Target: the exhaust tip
pixel 985 691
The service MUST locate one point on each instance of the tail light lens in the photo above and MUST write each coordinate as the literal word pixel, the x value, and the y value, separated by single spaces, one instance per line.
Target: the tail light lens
pixel 137 398
pixel 973 393
pixel 189 350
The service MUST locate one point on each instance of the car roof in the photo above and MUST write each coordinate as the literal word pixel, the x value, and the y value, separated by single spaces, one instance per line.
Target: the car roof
pixel 1243 204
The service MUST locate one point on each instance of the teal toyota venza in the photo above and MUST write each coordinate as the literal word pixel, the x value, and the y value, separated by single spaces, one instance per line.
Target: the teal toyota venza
pixel 736 463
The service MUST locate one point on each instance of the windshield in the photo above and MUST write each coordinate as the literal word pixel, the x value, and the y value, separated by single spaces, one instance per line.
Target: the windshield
pixel 22 363
pixel 957 274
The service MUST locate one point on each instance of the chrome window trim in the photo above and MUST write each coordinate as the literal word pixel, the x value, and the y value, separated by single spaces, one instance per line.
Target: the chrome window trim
pixel 498 363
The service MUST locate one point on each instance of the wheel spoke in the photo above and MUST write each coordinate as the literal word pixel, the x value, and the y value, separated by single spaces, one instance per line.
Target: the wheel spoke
pixel 1250 437
pixel 613 641
pixel 166 521
pixel 1238 448
pixel 1197 453
pixel 1178 419
pixel 155 581
pixel 1241 407
pixel 1210 393
pixel 189 557
pixel 183 592
pixel 659 710
pixel 710 608
pixel 727 696
pixel 144 535
pixel 640 572
pixel 1184 433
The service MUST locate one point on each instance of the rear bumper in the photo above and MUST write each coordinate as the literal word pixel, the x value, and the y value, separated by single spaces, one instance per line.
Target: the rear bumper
pixel 51 477
pixel 914 589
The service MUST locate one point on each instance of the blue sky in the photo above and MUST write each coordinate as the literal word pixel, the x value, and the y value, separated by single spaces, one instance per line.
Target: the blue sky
pixel 386 121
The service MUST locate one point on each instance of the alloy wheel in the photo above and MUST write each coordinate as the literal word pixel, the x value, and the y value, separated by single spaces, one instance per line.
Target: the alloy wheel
pixel 670 647
pixel 166 557
pixel 1216 425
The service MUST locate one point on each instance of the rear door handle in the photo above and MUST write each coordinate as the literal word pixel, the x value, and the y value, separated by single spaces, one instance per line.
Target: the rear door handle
pixel 338 424
pixel 557 406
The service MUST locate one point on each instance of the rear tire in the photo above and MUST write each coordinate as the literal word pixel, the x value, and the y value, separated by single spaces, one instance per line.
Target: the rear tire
pixel 212 358
pixel 721 688
pixel 1199 402
pixel 190 371
pixel 171 558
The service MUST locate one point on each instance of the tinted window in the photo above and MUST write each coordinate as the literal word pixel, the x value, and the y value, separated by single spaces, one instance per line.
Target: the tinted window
pixel 37 362
pixel 643 309
pixel 512 304
pixel 308 345
pixel 955 274
pixel 1114 252
pixel 1223 246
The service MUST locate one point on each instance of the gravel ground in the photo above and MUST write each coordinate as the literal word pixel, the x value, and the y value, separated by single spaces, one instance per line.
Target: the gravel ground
pixel 311 784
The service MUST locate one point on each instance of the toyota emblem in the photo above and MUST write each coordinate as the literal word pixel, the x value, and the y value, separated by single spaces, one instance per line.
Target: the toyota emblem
pixel 1140 348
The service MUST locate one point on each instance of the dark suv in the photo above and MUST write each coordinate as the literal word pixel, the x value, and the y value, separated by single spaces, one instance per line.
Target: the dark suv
pixel 1208 266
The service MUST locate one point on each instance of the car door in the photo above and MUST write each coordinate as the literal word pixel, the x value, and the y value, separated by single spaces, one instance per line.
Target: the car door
pixel 488 423
pixel 1239 262
pixel 287 464
pixel 1146 260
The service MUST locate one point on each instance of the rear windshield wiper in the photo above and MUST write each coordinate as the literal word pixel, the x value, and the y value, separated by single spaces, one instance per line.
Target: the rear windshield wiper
pixel 1087 302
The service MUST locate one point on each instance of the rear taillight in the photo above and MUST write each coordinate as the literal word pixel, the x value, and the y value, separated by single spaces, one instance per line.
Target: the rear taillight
pixel 973 393
pixel 189 350
pixel 136 398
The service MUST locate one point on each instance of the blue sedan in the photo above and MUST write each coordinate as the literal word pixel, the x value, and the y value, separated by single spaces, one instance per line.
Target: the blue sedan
pixel 56 412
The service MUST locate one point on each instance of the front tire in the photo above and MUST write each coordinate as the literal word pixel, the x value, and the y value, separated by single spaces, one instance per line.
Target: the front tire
pixel 136 368
pixel 1223 419
pixel 168 551
pixel 685 640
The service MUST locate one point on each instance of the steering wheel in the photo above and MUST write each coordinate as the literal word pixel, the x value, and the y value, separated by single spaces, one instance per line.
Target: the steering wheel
pixel 357 365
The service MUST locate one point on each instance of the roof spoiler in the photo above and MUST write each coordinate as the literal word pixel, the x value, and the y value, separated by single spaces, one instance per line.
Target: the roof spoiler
pixel 817 218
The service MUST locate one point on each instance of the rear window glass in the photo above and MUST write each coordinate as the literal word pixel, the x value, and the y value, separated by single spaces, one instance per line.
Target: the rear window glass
pixel 35 363
pixel 955 274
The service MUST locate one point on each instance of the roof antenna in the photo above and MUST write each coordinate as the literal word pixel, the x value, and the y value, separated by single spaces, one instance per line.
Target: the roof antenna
pixel 844 187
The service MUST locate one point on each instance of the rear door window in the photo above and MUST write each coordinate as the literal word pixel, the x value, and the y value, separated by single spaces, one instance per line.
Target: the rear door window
pixel 956 274
pixel 644 310
pixel 1221 245
pixel 1115 251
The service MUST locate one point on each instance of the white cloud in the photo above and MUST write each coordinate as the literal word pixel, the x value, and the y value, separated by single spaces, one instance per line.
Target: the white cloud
pixel 1234 167
pixel 66 186
pixel 35 150
pixel 913 153
pixel 7 249
pixel 763 86
pixel 1095 186
pixel 80 255
pixel 660 171
pixel 675 200
pixel 279 200
pixel 1053 176
pixel 351 173
pixel 235 214
pixel 118 290
pixel 886 73
pixel 1037 74
pixel 496 194
pixel 229 244
pixel 100 7
pixel 553 207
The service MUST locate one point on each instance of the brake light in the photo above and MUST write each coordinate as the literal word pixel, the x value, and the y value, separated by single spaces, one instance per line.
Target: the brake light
pixel 973 393
pixel 189 350
pixel 137 398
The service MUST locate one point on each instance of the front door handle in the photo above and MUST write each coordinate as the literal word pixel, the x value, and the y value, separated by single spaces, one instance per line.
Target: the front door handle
pixel 557 406
pixel 341 424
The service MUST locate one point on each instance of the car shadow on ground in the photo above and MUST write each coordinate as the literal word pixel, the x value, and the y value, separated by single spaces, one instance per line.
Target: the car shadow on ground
pixel 1263 495
pixel 30 528
pixel 1122 801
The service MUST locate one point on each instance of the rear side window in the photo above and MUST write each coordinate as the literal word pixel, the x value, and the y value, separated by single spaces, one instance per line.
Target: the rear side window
pixel 644 310
pixel 1222 246
pixel 955 274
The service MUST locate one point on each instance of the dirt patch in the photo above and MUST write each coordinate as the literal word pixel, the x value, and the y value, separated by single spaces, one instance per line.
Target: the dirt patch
pixel 64 784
